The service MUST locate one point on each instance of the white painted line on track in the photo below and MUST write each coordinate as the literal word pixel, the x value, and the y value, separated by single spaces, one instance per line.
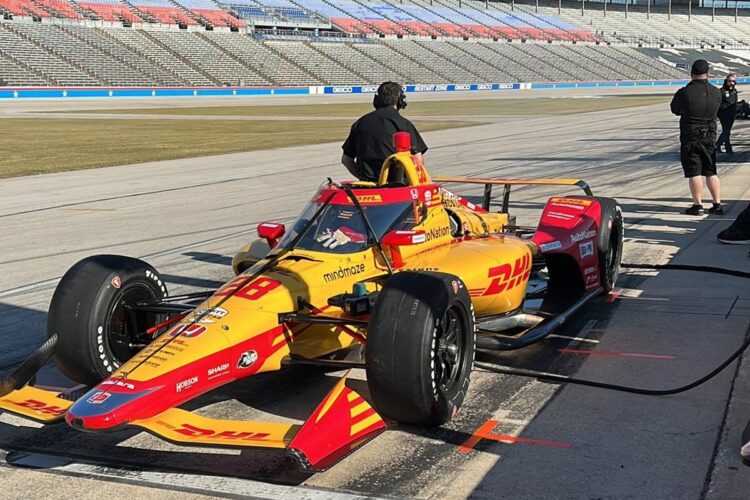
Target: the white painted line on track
pixel 208 485
pixel 577 339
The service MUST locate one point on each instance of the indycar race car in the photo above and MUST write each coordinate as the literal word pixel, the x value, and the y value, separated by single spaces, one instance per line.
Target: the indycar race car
pixel 401 277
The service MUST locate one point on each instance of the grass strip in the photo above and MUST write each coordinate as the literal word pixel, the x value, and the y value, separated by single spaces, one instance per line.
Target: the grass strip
pixel 35 146
pixel 475 107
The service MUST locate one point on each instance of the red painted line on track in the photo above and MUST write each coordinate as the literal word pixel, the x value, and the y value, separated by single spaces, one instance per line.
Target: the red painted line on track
pixel 615 353
pixel 613 296
pixel 485 432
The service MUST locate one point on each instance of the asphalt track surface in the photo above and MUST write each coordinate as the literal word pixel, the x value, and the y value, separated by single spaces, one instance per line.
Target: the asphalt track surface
pixel 541 440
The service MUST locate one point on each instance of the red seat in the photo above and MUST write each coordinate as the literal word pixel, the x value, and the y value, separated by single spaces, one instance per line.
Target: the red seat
pixel 23 8
pixel 350 25
pixel 166 15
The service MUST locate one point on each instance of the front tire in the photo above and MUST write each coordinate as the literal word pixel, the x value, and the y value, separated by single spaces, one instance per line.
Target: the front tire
pixel 89 313
pixel 420 347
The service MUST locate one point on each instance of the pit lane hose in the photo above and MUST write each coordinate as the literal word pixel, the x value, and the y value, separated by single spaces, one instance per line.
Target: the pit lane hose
pixel 26 370
pixel 556 377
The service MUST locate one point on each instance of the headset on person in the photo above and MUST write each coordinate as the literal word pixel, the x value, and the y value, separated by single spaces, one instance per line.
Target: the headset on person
pixel 378 100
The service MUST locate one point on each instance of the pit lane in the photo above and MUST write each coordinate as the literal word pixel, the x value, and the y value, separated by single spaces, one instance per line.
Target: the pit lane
pixel 665 329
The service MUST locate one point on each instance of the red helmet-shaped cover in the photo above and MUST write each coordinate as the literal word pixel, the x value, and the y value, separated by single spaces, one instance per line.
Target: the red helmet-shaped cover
pixel 402 141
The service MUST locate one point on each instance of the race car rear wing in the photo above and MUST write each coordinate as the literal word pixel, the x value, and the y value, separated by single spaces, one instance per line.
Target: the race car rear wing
pixel 507 183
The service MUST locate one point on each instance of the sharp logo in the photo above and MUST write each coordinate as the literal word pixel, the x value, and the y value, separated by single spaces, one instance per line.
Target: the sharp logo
pixel 218 370
pixel 507 277
pixel 247 359
pixel 583 235
pixel 186 384
pixel 196 432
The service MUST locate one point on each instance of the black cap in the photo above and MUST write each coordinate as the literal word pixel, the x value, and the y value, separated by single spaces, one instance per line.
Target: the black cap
pixel 700 67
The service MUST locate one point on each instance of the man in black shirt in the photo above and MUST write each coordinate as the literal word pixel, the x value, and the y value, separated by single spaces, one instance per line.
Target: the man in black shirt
pixel 370 140
pixel 727 111
pixel 697 105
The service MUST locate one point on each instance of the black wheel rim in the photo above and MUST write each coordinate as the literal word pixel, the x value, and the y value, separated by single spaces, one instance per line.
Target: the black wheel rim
pixel 450 349
pixel 125 329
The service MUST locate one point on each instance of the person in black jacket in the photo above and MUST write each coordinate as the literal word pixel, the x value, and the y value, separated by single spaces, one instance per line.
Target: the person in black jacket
pixel 370 140
pixel 697 105
pixel 727 112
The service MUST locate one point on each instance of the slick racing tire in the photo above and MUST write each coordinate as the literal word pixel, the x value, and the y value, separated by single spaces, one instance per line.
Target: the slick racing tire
pixel 420 347
pixel 96 332
pixel 609 242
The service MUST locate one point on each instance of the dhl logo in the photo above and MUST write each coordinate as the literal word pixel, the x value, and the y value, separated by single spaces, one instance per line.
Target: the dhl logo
pixel 507 277
pixel 41 407
pixel 196 432
pixel 572 201
pixel 369 198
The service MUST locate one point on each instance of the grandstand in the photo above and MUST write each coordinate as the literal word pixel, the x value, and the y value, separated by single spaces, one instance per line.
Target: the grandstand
pixel 350 42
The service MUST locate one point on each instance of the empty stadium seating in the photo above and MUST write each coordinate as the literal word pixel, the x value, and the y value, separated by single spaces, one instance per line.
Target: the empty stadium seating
pixel 210 13
pixel 387 40
pixel 109 10
pixel 23 8
pixel 162 11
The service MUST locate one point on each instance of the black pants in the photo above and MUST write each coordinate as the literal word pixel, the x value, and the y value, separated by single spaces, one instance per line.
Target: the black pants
pixel 698 153
pixel 726 129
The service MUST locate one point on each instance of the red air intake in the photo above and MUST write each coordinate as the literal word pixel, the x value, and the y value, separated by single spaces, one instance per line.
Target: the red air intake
pixel 402 141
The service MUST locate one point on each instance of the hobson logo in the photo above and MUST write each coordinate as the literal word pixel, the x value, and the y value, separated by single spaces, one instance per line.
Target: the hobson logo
pixel 344 272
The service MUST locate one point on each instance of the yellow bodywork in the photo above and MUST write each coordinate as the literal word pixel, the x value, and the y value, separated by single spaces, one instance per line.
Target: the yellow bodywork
pixel 493 267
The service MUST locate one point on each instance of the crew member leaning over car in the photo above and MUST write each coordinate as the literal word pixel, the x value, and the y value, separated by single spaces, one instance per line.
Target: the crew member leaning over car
pixel 370 140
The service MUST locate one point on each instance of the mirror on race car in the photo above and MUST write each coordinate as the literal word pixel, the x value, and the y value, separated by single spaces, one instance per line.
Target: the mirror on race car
pixel 271 232
pixel 404 238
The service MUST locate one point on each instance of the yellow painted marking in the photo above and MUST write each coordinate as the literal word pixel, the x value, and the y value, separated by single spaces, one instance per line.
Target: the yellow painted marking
pixel 352 396
pixel 359 409
pixel 364 424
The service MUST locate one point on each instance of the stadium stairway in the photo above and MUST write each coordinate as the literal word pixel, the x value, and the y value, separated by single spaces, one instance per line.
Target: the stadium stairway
pixel 412 71
pixel 316 62
pixel 210 80
pixel 138 41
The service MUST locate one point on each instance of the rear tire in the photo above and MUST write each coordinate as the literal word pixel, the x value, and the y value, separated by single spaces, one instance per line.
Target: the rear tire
pixel 96 332
pixel 609 243
pixel 420 347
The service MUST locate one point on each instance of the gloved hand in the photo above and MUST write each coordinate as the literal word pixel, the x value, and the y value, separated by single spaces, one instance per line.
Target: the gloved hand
pixel 341 236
